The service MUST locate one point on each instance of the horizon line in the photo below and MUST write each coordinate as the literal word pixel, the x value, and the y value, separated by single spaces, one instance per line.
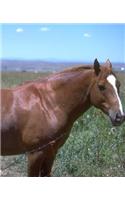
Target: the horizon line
pixel 56 60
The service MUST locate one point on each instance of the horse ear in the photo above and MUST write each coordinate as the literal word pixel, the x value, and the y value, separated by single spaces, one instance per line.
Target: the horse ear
pixel 96 67
pixel 108 63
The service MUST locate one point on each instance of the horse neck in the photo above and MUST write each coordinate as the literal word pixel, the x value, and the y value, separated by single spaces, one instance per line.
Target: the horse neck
pixel 72 92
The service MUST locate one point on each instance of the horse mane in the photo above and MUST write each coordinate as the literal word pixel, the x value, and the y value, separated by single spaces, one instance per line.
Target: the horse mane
pixel 76 68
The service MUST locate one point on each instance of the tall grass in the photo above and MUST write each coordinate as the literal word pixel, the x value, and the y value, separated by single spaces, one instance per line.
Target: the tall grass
pixel 94 147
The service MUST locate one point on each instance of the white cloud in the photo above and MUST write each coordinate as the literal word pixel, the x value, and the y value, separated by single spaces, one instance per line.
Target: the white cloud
pixel 87 35
pixel 44 29
pixel 19 30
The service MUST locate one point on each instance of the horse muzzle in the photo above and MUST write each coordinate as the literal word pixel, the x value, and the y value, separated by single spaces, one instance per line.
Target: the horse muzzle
pixel 116 118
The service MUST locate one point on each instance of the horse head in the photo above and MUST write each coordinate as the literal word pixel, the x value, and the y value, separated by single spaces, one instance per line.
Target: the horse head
pixel 104 92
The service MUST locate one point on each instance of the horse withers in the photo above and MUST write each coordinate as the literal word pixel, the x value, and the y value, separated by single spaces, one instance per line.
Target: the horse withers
pixel 37 116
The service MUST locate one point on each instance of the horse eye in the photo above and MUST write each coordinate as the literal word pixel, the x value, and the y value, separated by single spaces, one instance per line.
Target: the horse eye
pixel 102 87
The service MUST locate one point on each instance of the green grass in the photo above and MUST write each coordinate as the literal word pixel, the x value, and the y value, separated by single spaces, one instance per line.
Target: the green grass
pixel 11 79
pixel 94 147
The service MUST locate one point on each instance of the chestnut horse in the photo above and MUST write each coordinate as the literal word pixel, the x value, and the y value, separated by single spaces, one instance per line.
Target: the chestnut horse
pixel 37 116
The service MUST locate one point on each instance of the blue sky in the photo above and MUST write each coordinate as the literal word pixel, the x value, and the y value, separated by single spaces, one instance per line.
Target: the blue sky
pixel 64 42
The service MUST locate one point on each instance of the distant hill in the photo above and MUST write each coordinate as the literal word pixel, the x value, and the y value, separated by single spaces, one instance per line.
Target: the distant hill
pixel 45 66
pixel 35 65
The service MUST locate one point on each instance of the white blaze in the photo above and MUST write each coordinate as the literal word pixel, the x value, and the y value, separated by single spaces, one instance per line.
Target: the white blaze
pixel 112 80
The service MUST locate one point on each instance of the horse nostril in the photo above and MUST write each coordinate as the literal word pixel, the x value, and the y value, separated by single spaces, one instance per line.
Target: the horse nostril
pixel 118 117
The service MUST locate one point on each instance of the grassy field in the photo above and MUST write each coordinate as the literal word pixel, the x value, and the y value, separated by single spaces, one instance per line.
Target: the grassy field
pixel 94 147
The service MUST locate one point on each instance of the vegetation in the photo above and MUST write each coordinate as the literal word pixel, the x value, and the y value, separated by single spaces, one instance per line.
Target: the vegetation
pixel 94 147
